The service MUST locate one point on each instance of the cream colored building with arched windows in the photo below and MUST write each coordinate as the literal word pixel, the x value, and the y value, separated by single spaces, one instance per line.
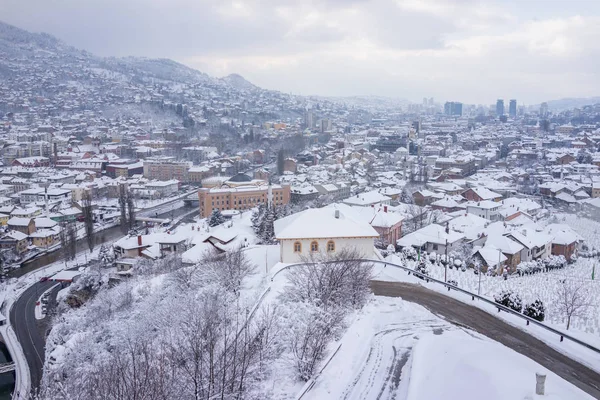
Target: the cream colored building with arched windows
pixel 322 230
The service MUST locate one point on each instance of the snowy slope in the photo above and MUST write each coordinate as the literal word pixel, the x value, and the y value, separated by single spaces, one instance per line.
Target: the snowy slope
pixel 398 350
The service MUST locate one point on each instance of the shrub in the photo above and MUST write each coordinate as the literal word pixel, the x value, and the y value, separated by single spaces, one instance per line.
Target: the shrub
pixel 535 310
pixel 509 299
pixel 410 253
pixel 421 268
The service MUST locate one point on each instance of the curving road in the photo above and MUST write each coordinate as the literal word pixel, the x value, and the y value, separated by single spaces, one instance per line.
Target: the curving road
pixel 30 331
pixel 478 320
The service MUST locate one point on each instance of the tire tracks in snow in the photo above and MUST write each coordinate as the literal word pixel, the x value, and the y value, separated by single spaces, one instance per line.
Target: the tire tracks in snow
pixel 389 351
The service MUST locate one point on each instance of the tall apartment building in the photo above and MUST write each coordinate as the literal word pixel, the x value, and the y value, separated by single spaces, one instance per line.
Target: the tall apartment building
pixel 241 197
pixel 499 107
pixel 512 108
pixel 165 168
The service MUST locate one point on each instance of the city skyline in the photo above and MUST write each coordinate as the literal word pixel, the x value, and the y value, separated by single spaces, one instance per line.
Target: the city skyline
pixel 403 49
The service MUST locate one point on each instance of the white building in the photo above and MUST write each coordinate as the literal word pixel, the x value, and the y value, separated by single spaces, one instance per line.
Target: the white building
pixel 485 209
pixel 322 230
pixel 164 188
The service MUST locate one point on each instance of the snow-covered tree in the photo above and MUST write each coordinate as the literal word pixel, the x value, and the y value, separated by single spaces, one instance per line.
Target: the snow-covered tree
pixel 535 310
pixel 227 269
pixel 105 256
pixel 215 218
pixel 509 299
pixel 340 280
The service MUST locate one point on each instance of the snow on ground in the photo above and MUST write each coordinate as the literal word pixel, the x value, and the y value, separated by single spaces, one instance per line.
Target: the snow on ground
pixel 375 350
pixel 441 362
pixel 491 285
pixel 397 349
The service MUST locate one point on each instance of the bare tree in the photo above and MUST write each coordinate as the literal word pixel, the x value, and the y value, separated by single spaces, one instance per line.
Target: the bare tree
pixel 339 280
pixel 227 269
pixel 88 219
pixel 572 299
pixel 416 218
pixel 68 240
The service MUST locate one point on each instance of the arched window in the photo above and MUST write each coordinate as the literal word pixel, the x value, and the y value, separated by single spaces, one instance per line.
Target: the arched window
pixel 314 247
pixel 297 247
pixel 331 245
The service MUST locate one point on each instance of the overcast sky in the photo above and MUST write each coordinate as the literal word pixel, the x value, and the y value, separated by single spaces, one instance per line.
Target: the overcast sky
pixel 465 50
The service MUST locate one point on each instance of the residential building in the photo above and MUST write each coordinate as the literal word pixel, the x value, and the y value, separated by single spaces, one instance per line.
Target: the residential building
pixel 166 168
pixel 485 209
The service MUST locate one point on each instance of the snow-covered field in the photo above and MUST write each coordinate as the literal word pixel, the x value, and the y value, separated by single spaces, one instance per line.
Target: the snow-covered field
pixel 398 350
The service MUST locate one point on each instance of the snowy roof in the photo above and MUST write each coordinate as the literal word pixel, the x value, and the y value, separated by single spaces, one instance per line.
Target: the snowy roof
pixel 65 276
pixel 505 244
pixel 520 204
pixel 485 204
pixel 321 223
pixel 16 235
pixel 18 221
pixel 367 198
pixel 467 221
pixel 491 255
pixel 562 234
pixel 566 197
pixel 530 237
pixel 485 193
pixel 433 233
pixel 447 202
pixel 374 216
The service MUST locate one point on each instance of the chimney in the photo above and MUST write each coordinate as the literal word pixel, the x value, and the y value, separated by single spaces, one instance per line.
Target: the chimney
pixel 139 240
pixel 384 208
pixel 337 214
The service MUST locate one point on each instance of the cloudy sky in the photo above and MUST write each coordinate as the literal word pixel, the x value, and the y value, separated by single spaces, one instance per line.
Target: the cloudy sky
pixel 465 50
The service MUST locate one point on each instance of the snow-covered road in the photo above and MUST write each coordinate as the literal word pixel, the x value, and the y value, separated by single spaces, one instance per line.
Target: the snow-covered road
pixel 381 373
pixel 375 352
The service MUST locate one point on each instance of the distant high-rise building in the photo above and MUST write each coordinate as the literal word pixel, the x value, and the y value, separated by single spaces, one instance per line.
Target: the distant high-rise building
pixel 499 107
pixel 424 101
pixel 308 119
pixel 512 108
pixel 431 101
pixel 453 108
pixel 544 110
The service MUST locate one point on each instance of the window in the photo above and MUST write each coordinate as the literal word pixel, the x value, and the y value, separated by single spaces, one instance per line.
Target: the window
pixel 331 245
pixel 297 247
pixel 435 246
pixel 314 247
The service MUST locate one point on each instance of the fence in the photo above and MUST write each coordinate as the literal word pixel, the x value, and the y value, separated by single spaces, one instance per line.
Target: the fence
pixel 474 296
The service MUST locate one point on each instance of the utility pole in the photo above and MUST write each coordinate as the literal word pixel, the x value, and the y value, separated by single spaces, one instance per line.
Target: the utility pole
pixel 479 285
pixel 446 256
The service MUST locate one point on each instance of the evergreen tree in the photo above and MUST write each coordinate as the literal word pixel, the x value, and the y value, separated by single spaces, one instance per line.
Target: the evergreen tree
pixel 257 217
pixel 267 228
pixel 216 218
pixel 105 257
pixel 280 161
